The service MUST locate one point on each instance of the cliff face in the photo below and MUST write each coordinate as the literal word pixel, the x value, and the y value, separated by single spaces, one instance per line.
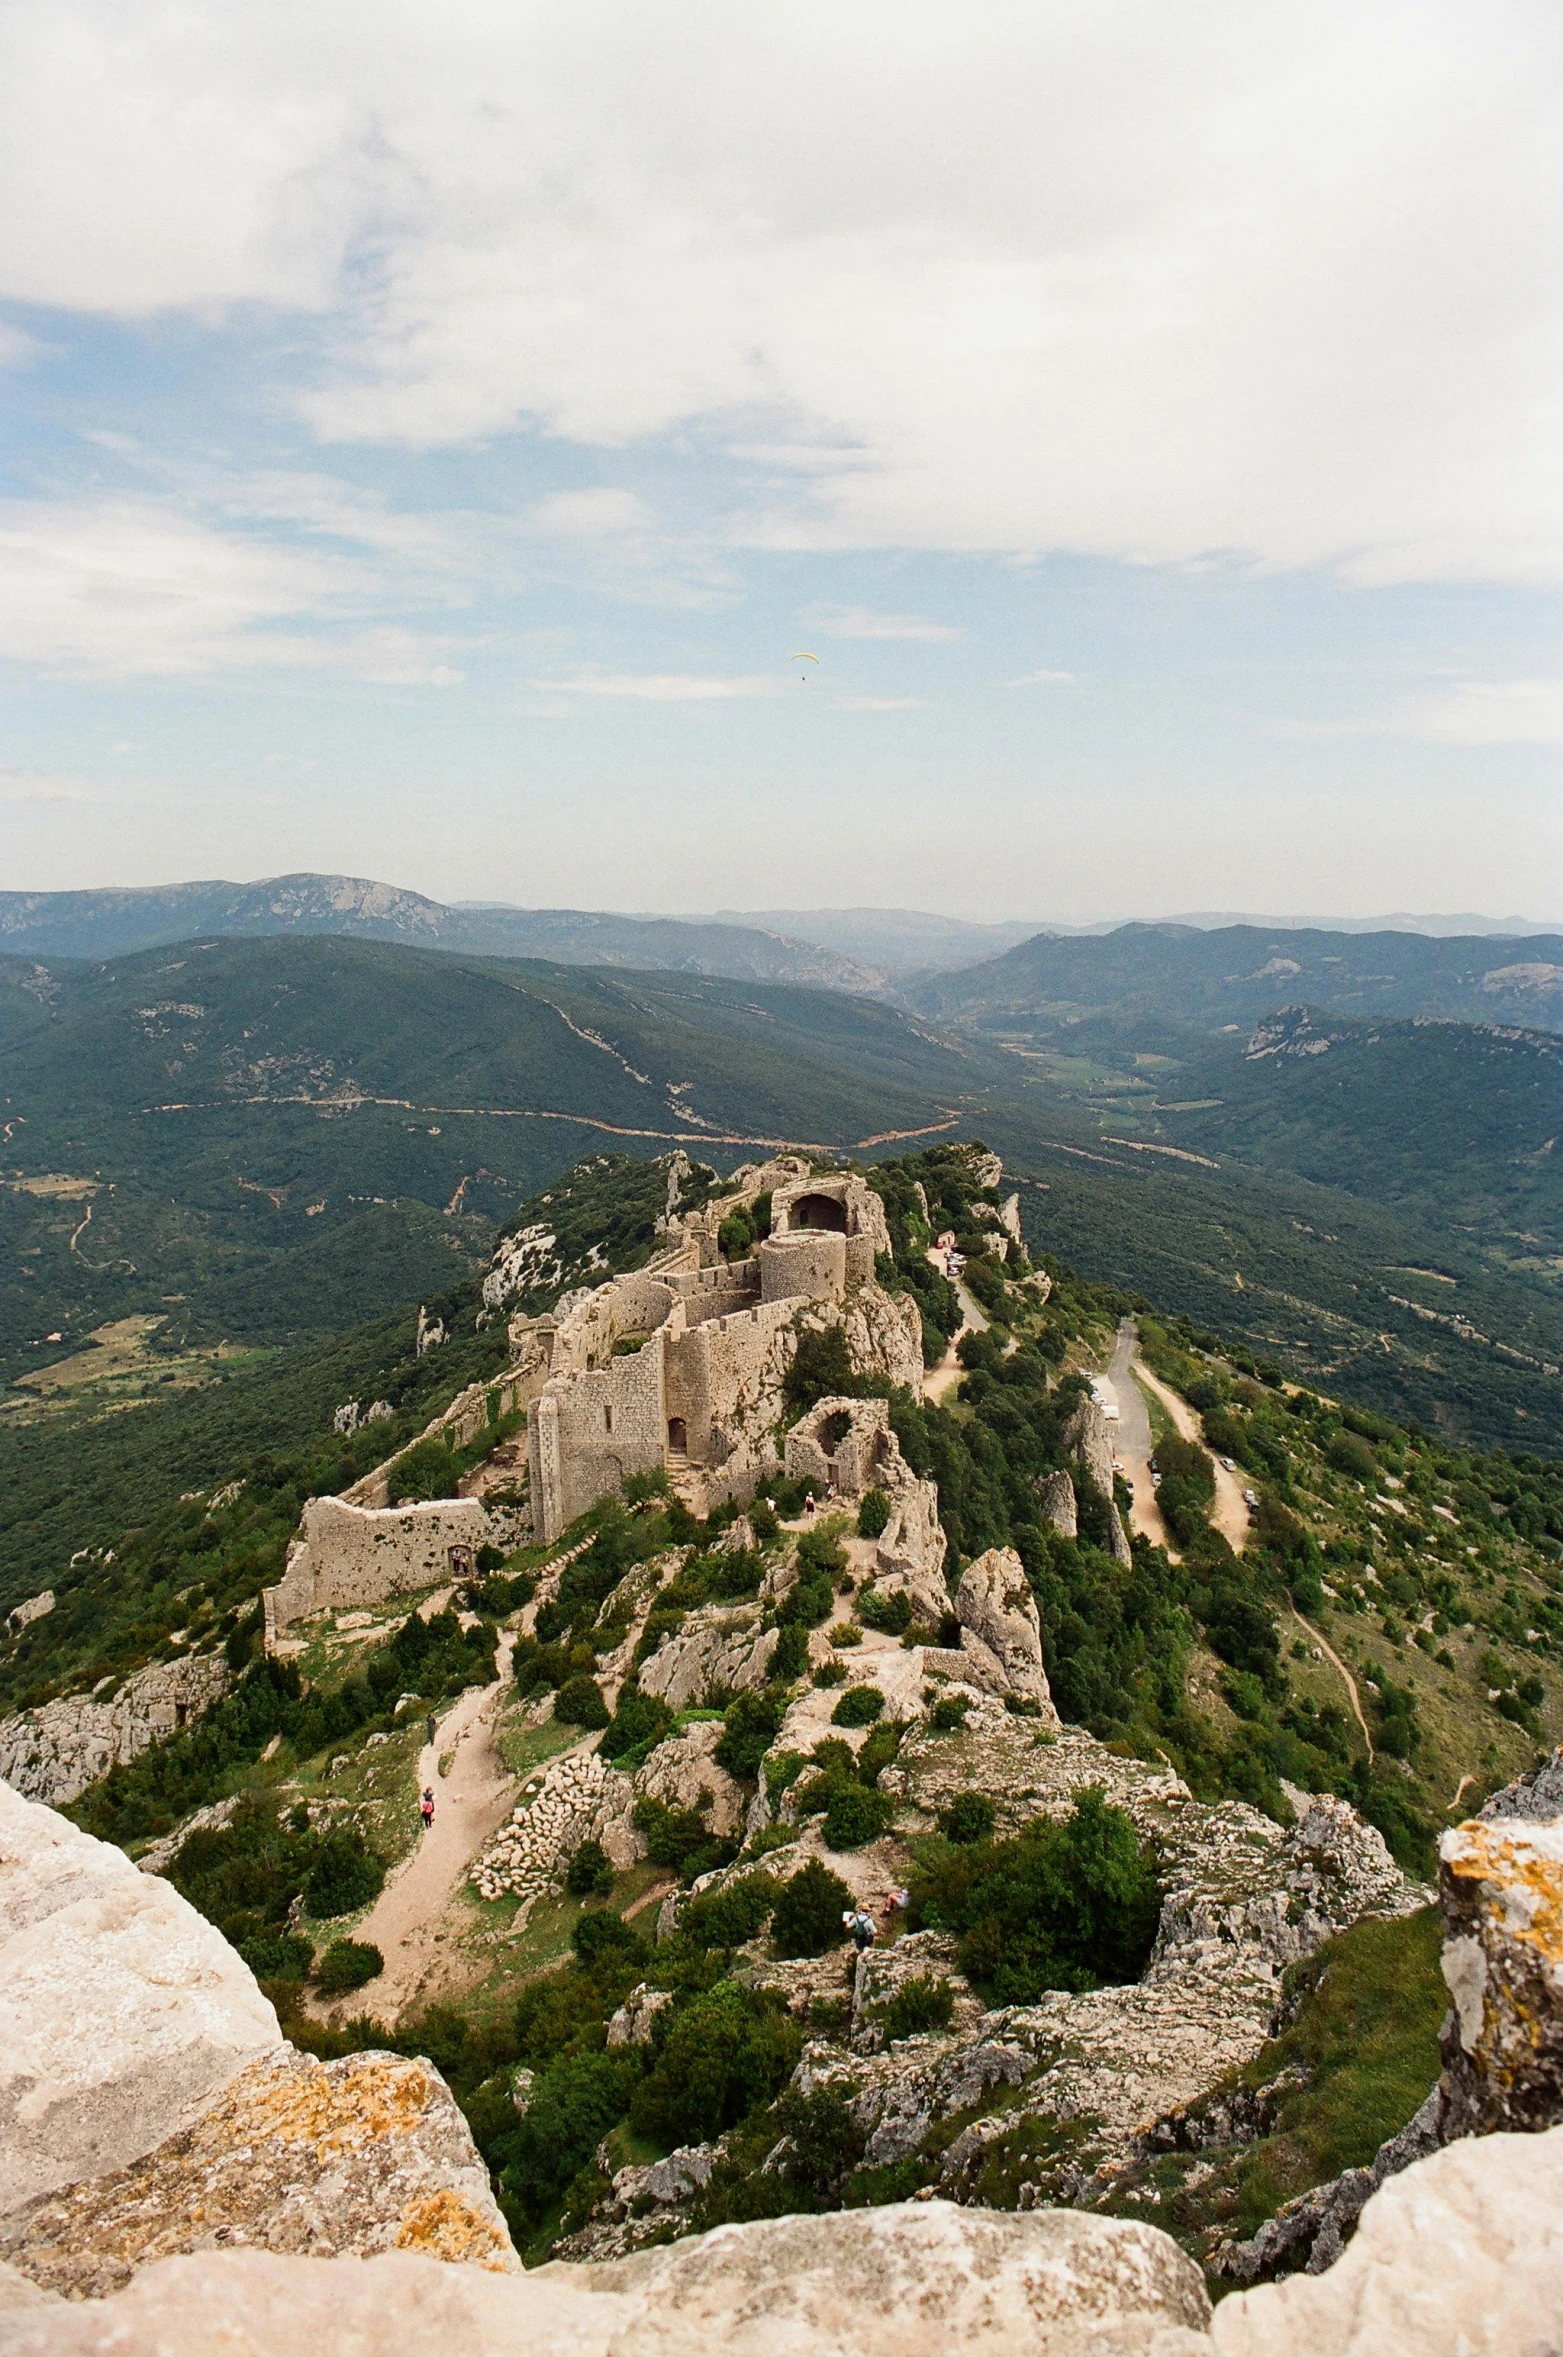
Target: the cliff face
pixel 53 1754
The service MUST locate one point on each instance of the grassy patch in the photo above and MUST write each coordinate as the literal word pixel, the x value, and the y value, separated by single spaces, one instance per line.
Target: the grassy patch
pixel 1363 2044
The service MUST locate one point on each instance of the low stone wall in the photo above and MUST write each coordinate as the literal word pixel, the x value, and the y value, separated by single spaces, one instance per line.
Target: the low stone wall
pixel 358 1555
pixel 54 1753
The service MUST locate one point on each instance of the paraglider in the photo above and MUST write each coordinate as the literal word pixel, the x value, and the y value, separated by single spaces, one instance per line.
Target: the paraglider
pixel 803 675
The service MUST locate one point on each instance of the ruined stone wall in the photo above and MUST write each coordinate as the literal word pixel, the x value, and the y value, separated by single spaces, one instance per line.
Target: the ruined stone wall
pixel 724 1380
pixel 587 1432
pixel 54 1753
pixel 358 1555
pixel 637 1304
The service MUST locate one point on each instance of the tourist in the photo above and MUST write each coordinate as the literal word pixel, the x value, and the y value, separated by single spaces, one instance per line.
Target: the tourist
pixel 426 1808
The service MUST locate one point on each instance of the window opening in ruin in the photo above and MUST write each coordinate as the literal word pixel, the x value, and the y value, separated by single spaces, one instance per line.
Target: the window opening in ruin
pixel 835 1431
pixel 181 1714
pixel 678 1436
pixel 819 1211
pixel 607 1419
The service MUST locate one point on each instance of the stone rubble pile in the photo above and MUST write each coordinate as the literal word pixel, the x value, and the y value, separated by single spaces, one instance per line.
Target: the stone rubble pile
pixel 580 1799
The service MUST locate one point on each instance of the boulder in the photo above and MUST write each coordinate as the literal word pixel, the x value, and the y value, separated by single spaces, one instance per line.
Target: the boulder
pixel 366 2154
pixel 636 2018
pixel 1090 1436
pixel 1001 1634
pixel 682 1774
pixel 1501 1882
pixel 120 2006
pixel 716 1651
pixel 915 2280
pixel 1459 2256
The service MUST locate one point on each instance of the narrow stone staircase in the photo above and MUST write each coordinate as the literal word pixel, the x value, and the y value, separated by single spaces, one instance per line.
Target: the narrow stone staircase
pixel 687 1482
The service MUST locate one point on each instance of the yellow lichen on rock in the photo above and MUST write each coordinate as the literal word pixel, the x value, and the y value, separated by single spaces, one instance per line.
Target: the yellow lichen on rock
pixel 444 2226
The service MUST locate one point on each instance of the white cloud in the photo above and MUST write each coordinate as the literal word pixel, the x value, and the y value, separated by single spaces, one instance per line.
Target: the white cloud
pixel 37 785
pixel 859 622
pixel 881 703
pixel 1153 283
pixel 659 687
pixel 1488 712
pixel 1043 679
pixel 127 587
pixel 599 514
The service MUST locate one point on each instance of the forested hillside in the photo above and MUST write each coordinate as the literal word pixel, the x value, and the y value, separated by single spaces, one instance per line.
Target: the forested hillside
pixel 1180 975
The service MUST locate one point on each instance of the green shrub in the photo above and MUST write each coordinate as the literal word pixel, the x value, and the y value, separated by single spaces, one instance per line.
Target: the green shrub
pixel 855 1815
pixel 969 1817
pixel 1353 1457
pixel 924 2003
pixel 892 1614
pixel 346 1874
pixel 829 1673
pixel 574 2102
pixel 948 1715
pixel 724 2055
pixel 860 1706
pixel 750 1725
pixel 873 1514
pixel 283 1956
pixel 807 1920
pixel 579 1703
pixel 348 1964
pixel 791 1657
pixel 428 1470
pixel 590 1873
pixel 680 1839
pixel 728 1918
pixel 638 1724
pixel 600 1933
pixel 1063 1906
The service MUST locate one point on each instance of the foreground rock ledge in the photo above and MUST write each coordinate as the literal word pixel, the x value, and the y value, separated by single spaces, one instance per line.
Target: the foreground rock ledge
pixel 1462 2256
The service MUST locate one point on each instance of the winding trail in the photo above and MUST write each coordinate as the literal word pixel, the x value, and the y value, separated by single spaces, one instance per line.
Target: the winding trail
pixel 469 1804
pixel 1350 1683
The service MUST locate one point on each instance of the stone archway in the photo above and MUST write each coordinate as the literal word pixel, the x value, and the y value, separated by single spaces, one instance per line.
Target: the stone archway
pixel 678 1437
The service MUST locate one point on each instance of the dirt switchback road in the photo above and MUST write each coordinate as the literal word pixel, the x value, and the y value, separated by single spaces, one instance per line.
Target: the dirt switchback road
pixel 1230 1511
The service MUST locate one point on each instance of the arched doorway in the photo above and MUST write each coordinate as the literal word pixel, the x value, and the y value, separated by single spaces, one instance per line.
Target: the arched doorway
pixel 678 1437
pixel 819 1211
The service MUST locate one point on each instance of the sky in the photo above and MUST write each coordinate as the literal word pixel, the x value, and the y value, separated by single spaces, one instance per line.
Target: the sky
pixel 429 434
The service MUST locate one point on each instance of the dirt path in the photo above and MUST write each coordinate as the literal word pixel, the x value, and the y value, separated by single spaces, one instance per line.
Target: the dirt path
pixel 470 1801
pixel 944 1377
pixel 1350 1683
pixel 1231 1507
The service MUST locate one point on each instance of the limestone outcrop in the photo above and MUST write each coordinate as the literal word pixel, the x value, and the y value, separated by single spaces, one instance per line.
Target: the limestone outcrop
pixel 718 1649
pixel 1059 1510
pixel 1001 1633
pixel 919 2279
pixel 1090 1436
pixel 366 2154
pixel 53 1754
pixel 1462 2256
pixel 120 2007
pixel 1501 1881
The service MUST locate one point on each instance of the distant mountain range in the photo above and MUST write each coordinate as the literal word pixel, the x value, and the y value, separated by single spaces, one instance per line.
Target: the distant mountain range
pixel 114 924
pixel 1152 977
pixel 863 950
